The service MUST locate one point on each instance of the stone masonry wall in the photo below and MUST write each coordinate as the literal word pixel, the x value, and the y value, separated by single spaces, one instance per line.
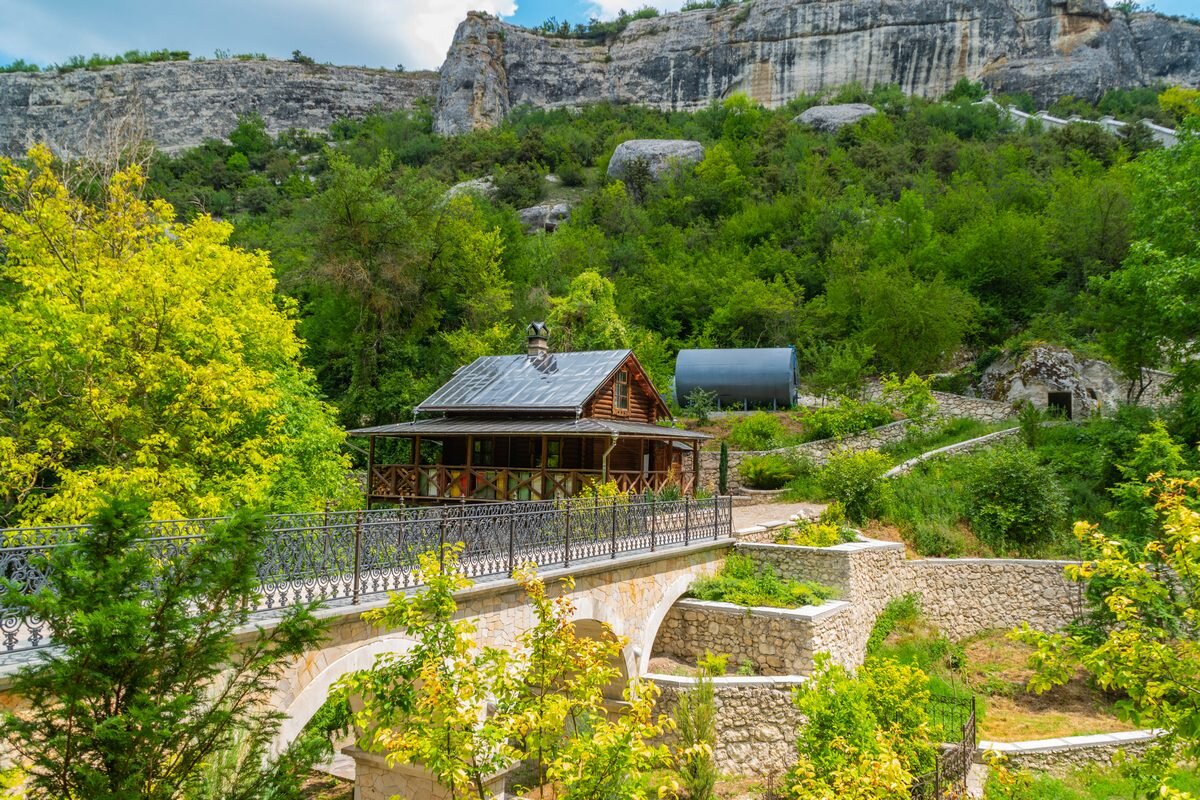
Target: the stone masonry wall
pixel 818 452
pixel 757 723
pixel 775 641
pixel 1061 756
pixel 950 406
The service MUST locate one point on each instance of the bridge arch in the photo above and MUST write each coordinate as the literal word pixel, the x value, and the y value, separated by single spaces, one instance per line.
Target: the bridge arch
pixel 312 694
pixel 649 631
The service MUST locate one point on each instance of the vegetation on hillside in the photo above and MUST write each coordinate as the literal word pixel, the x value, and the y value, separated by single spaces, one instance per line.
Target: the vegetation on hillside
pixel 903 239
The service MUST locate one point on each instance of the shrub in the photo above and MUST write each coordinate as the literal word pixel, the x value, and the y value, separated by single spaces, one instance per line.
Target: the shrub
pixel 879 714
pixel 815 534
pixel 701 403
pixel 571 173
pixel 768 471
pixel 856 481
pixel 519 185
pixel 742 582
pixel 843 418
pixel 1015 501
pixel 903 610
pixel 759 431
pixel 912 396
pixel 1030 419
pixel 696 723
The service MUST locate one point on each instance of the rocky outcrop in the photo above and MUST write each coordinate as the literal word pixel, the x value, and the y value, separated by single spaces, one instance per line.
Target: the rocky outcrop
pixel 1052 377
pixel 833 118
pixel 179 104
pixel 659 155
pixel 544 218
pixel 776 50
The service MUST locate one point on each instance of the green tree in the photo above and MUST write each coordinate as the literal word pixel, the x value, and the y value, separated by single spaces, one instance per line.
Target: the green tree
pixel 587 318
pixel 146 682
pixel 1016 502
pixel 696 723
pixel 145 354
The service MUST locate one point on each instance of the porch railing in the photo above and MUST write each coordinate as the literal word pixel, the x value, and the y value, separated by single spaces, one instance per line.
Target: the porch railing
pixel 439 482
pixel 346 555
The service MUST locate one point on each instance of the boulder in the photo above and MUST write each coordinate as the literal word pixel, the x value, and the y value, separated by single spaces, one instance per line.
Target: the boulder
pixel 544 217
pixel 832 118
pixel 480 186
pixel 659 155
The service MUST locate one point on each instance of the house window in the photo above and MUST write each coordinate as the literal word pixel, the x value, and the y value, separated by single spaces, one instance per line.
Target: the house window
pixel 485 453
pixel 621 392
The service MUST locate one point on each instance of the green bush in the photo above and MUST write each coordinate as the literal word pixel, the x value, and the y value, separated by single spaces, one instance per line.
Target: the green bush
pixel 844 418
pixel 1015 501
pixel 742 582
pixel 815 534
pixel 856 481
pixel 904 610
pixel 519 185
pixel 759 431
pixel 770 471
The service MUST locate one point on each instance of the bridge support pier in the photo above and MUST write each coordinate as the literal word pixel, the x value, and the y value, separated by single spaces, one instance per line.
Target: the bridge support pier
pixel 375 780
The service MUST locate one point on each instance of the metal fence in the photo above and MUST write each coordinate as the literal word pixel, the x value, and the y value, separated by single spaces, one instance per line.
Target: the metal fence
pixel 344 555
pixel 953 722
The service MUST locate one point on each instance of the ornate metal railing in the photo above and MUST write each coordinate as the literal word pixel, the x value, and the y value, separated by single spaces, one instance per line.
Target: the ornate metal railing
pixel 440 482
pixel 953 722
pixel 345 555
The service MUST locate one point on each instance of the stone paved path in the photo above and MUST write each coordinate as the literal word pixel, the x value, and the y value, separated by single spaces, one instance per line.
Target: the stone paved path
pixel 767 512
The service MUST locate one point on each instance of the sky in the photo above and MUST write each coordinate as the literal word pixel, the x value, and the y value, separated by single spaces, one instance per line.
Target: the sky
pixel 374 33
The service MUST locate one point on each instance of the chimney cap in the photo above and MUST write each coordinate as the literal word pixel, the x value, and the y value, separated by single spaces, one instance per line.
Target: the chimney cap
pixel 538 330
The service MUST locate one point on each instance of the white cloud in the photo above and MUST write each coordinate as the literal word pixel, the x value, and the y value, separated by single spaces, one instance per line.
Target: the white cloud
pixel 608 9
pixel 370 32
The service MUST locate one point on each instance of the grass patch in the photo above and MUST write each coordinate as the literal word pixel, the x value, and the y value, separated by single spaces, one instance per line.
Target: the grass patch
pixel 744 583
pixel 995 670
pixel 950 432
pixel 1090 783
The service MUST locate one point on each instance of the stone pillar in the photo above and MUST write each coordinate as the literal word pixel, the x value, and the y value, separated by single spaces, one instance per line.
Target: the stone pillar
pixel 375 780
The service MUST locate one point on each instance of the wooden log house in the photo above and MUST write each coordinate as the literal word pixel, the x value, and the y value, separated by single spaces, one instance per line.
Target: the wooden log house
pixel 534 427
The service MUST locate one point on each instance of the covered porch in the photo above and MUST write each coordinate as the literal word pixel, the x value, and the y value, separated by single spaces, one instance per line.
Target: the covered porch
pixel 495 460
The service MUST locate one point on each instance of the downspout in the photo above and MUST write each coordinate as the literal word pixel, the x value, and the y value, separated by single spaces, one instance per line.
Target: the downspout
pixel 604 461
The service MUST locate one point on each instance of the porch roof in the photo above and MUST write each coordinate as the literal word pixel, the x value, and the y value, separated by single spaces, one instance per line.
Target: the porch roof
pixel 587 426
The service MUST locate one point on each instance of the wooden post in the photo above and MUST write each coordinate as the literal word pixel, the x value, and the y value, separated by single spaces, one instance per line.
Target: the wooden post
pixel 545 456
pixel 695 467
pixel 370 470
pixel 416 460
pixel 468 490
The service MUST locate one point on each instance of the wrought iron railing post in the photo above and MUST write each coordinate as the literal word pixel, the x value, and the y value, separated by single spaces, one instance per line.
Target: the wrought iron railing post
pixel 442 540
pixel 687 520
pixel 358 523
pixel 512 541
pixel 567 537
pixel 653 521
pixel 614 529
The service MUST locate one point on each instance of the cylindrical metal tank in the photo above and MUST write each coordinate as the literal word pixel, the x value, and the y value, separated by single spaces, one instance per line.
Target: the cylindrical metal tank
pixel 754 376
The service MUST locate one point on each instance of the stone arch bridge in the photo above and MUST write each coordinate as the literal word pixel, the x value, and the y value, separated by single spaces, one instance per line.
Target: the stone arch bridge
pixel 631 562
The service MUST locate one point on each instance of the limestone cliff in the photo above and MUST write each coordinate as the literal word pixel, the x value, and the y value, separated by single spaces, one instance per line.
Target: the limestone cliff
pixel 775 50
pixel 178 104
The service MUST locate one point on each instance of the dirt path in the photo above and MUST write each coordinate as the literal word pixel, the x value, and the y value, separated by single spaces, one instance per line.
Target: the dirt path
pixel 768 512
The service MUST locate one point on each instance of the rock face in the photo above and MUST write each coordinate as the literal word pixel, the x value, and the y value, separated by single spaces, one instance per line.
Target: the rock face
pixel 179 104
pixel 1053 377
pixel 658 155
pixel 775 50
pixel 831 118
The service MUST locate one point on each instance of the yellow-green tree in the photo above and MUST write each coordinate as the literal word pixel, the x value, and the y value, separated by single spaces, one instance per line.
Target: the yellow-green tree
pixel 1150 651
pixel 149 355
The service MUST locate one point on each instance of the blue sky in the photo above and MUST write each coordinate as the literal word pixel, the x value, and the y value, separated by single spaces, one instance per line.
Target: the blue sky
pixel 374 33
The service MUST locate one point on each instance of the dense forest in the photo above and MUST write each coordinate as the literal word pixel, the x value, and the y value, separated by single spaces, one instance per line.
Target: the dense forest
pixel 923 238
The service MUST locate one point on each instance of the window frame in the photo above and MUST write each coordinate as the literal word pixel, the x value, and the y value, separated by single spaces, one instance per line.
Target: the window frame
pixel 622 391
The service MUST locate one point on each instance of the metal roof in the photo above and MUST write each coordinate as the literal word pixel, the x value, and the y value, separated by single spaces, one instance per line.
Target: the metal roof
pixel 462 426
pixel 559 382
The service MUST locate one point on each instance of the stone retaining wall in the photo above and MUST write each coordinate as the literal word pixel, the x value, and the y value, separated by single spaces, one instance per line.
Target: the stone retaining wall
pixel 950 406
pixel 818 452
pixel 775 641
pixel 1061 756
pixel 757 722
